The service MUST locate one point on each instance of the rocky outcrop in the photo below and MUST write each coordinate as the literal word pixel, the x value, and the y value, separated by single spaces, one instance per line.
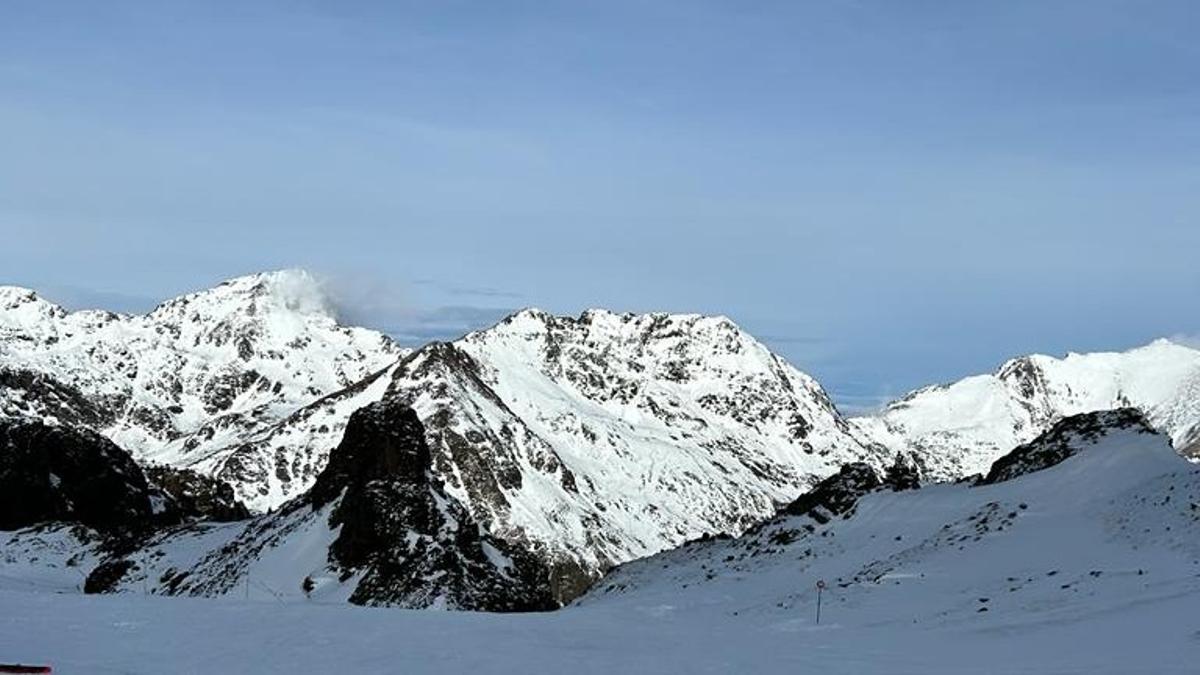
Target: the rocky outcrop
pixel 196 495
pixel 905 473
pixel 59 473
pixel 1066 438
pixel 411 543
pixel 29 393
pixel 837 494
pixel 377 528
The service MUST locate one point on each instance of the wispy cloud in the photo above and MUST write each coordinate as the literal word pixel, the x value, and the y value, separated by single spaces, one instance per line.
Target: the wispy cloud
pixel 467 291
pixel 446 323
pixel 857 405
pixel 1186 340
pixel 392 307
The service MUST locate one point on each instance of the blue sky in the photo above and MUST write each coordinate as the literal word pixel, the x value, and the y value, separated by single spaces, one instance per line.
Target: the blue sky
pixel 888 193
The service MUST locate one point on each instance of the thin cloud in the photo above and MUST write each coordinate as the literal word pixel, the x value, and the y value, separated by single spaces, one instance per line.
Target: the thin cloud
pixel 392 308
pixel 1186 340
pixel 468 291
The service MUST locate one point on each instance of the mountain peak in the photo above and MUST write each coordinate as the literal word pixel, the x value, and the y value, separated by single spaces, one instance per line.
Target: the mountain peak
pixel 290 290
pixel 25 305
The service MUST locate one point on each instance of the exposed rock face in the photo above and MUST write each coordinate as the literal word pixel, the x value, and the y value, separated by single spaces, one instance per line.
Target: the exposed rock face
pixel 904 473
pixel 413 545
pixel 1066 438
pixel 36 395
pixel 199 496
pixel 58 473
pixel 837 494
pixel 377 528
pixel 959 429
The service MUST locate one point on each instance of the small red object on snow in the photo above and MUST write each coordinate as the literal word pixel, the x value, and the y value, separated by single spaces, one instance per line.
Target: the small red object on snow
pixel 18 668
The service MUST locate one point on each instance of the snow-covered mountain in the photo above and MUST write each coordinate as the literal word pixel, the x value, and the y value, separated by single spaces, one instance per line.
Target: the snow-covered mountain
pixel 1075 561
pixel 961 428
pixel 194 379
pixel 586 442
pixel 605 437
pixel 1095 517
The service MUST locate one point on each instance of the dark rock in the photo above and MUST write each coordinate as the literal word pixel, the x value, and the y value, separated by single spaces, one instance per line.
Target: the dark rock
pixel 414 545
pixel 105 577
pixel 1066 438
pixel 904 474
pixel 837 494
pixel 45 396
pixel 68 474
pixel 198 496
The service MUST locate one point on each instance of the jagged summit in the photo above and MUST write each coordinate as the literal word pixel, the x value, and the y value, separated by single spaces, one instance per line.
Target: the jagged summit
pixel 596 438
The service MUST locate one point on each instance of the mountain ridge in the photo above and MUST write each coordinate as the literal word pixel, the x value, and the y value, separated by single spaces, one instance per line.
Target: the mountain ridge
pixel 960 427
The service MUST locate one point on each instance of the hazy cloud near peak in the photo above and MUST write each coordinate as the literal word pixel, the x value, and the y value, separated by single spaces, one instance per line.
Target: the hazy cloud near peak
pixel 393 307
pixel 1192 341
pixel 461 290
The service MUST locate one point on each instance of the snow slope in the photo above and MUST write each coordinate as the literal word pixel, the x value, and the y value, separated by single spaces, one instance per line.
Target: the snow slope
pixel 961 428
pixel 189 382
pixel 1113 529
pixel 1087 566
pixel 132 634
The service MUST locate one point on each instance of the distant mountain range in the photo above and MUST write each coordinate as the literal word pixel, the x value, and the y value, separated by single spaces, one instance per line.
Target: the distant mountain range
pixel 961 428
pixel 568 445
